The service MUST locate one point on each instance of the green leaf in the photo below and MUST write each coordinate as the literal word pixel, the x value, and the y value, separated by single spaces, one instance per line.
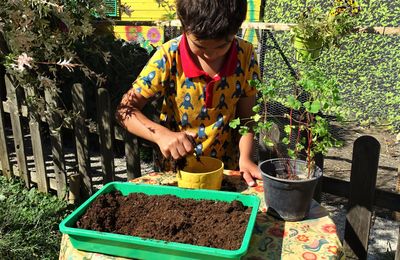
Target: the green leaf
pixel 268 142
pixel 256 117
pixel 256 108
pixel 291 153
pixel 285 140
pixel 315 107
pixel 291 101
pixel 234 123
pixel 243 130
pixel 288 128
pixel 307 105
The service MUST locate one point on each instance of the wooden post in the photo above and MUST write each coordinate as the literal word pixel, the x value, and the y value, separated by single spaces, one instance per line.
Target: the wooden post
pixel 106 134
pixel 4 153
pixel 361 199
pixel 74 195
pixel 3 45
pixel 37 146
pixel 132 156
pixel 397 256
pixel 319 161
pixel 54 120
pixel 261 56
pixel 262 10
pixel 4 158
pixel 16 124
pixel 396 214
pixel 81 139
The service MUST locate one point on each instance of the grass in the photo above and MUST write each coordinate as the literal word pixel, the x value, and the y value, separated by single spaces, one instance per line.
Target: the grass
pixel 29 222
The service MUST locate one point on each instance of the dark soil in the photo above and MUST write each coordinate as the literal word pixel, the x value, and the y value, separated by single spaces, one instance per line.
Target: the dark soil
pixel 198 222
pixel 179 164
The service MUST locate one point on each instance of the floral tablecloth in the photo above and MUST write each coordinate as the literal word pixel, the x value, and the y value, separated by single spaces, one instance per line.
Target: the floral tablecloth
pixel 312 238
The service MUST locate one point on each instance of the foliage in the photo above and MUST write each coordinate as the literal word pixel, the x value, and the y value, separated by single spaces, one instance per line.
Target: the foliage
pixel 365 65
pixel 170 12
pixel 117 61
pixel 29 222
pixel 49 45
pixel 314 98
pixel 39 39
pixel 328 27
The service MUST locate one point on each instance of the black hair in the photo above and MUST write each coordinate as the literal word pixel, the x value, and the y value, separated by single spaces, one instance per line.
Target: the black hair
pixel 211 19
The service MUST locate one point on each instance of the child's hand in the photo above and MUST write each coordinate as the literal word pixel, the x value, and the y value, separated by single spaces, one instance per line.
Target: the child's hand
pixel 176 144
pixel 249 171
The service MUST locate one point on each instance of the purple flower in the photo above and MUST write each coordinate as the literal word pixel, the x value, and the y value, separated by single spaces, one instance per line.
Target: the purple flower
pixel 153 35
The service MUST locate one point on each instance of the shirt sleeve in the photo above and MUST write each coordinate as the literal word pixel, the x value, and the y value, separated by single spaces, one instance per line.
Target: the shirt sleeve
pixel 252 73
pixel 152 78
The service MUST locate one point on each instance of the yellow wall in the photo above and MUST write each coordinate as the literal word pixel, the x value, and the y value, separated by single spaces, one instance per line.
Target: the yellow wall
pixel 149 10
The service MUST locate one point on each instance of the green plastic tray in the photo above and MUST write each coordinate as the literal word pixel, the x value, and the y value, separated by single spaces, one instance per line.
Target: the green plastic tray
pixel 136 247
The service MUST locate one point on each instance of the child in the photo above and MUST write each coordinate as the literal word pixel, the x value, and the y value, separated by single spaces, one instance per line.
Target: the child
pixel 203 76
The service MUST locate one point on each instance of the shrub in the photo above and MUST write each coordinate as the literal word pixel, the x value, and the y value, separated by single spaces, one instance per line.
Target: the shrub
pixel 50 44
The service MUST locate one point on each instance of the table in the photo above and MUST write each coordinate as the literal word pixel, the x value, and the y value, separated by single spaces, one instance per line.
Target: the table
pixel 312 238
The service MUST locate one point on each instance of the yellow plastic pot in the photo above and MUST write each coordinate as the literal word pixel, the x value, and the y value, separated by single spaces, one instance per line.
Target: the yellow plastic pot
pixel 205 173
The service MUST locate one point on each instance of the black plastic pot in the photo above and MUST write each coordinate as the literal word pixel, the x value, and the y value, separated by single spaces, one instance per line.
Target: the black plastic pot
pixel 290 199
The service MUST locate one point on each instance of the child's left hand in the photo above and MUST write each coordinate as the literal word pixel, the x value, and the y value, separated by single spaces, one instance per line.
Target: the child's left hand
pixel 249 171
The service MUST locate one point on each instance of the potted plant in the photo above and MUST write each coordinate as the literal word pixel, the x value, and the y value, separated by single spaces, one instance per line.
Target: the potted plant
pixel 291 177
pixel 316 29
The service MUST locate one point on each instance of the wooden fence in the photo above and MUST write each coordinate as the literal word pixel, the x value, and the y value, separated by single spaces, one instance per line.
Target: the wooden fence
pixel 53 175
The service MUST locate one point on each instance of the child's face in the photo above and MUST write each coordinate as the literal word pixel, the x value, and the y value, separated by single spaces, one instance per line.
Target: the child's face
pixel 209 50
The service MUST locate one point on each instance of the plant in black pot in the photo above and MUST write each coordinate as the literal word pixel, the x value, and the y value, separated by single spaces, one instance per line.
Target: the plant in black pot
pixel 316 28
pixel 303 125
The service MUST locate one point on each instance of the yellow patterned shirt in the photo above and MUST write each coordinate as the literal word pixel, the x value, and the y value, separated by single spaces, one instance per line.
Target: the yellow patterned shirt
pixel 196 102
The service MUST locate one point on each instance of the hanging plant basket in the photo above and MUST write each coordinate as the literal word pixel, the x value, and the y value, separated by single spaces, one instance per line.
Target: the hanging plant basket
pixel 307 49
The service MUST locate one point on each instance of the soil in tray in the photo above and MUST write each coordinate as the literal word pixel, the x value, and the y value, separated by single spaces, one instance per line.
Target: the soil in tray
pixel 198 222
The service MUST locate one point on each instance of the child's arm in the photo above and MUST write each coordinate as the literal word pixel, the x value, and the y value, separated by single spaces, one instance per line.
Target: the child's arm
pixel 246 164
pixel 148 84
pixel 175 144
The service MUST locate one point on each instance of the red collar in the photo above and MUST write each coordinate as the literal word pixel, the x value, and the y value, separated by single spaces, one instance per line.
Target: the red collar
pixel 190 68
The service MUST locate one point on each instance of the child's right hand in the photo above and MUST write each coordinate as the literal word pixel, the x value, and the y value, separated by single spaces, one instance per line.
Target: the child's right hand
pixel 176 144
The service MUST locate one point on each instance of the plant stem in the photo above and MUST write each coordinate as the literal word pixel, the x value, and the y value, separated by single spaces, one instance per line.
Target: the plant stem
pixel 298 139
pixel 290 134
pixel 309 119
